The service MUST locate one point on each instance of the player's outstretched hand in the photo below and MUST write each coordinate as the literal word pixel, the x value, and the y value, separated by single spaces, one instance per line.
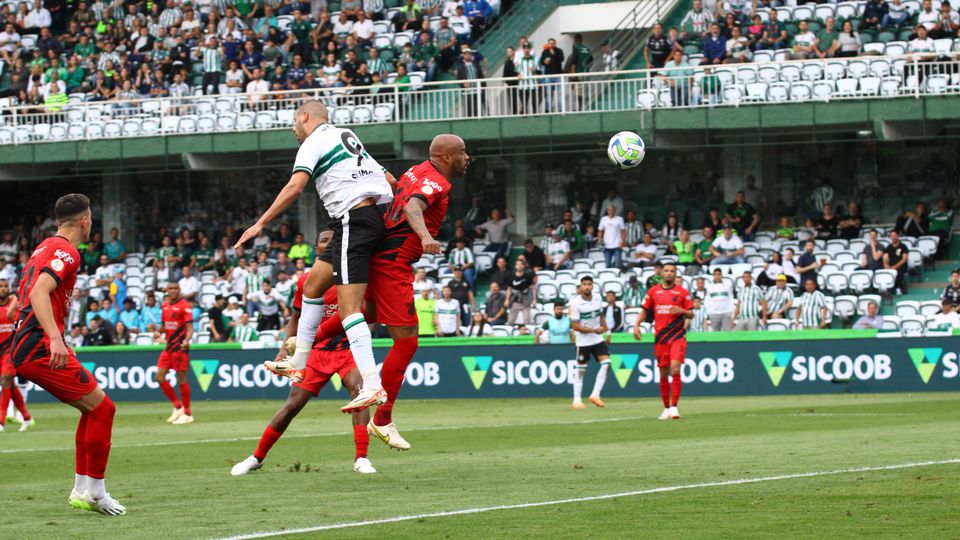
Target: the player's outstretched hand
pixel 431 246
pixel 249 234
pixel 58 353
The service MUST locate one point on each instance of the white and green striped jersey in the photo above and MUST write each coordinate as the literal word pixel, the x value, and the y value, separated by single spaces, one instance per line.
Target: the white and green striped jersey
pixel 212 60
pixel 811 309
pixel 460 257
pixel 527 68
pixel 777 298
pixel 244 334
pixel 699 321
pixel 634 232
pixel 633 297
pixel 589 314
pixel 448 315
pixel 697 21
pixel 345 174
pixel 556 250
pixel 750 298
pixel 253 282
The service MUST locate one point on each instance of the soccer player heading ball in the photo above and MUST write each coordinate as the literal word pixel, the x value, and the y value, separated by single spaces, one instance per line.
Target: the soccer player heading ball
pixel 41 356
pixel 671 305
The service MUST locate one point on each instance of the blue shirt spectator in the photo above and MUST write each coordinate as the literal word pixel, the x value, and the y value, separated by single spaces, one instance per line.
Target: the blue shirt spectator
pixel 474 8
pixel 130 317
pixel 115 250
pixel 714 46
pixel 108 312
pixel 150 314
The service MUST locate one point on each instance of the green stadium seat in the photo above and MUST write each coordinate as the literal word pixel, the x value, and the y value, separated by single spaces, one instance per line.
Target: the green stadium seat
pixel 333 5
pixel 691 49
pixel 815 26
pixel 905 34
pixel 886 37
pixel 792 28
pixel 392 3
pixel 867 37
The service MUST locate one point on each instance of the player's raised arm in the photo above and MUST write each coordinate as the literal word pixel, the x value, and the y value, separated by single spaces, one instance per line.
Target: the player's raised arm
pixel 414 214
pixel 43 309
pixel 286 197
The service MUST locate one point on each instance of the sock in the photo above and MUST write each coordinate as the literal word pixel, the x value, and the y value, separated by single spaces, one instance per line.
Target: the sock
pixel 81 446
pixel 394 369
pixel 578 383
pixel 677 384
pixel 97 440
pixel 362 440
pixel 269 437
pixel 97 487
pixel 171 395
pixel 19 403
pixel 665 390
pixel 5 396
pixel 81 482
pixel 601 379
pixel 185 396
pixel 310 317
pixel 329 328
pixel 361 346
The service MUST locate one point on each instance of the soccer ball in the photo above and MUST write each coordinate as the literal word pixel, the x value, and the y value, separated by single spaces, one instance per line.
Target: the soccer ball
pixel 290 345
pixel 626 150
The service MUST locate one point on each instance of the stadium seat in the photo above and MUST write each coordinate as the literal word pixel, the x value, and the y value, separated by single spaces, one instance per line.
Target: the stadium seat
pixel 206 124
pixel 846 87
pixel 342 115
pixel 756 91
pixel 836 69
pixel 246 120
pixel 778 325
pixel 802 13
pixel 614 285
pixel 74 116
pixel 845 306
pixel 891 323
pixel 824 11
pixel 769 74
pixel 912 325
pixel 929 308
pixel 144 339
pixel 857 69
pixel 895 48
pixel 870 86
pixel 874 48
pixel 502 330
pixel 285 117
pixel 547 291
pixel 112 130
pixel 801 91
pixel 265 119
pixel 362 114
pixel 813 71
pixel 860 281
pixel 790 73
pixel 646 99
pixel 169 124
pixel 778 92
pixel 383 112
pixel 187 124
pixel 890 86
pixel 746 75
pixel 837 282
pixel 823 90
pixel 937 84
pixel 226 122
pixel 402 38
pixel 28 42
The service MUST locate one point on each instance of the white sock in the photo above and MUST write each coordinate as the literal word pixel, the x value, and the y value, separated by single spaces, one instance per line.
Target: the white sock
pixel 361 346
pixel 601 379
pixel 97 488
pixel 578 384
pixel 80 482
pixel 310 316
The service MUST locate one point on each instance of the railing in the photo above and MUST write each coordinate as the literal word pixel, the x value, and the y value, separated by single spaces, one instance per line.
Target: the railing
pixel 628 35
pixel 726 86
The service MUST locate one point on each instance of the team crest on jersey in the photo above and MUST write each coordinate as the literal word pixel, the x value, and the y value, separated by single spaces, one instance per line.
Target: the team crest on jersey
pixel 57 265
pixel 428 190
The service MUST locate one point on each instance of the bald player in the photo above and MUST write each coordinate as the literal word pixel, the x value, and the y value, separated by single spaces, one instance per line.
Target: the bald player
pixel 351 184
pixel 412 221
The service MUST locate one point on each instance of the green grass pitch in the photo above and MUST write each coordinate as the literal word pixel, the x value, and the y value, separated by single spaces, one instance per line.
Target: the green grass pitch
pixel 476 454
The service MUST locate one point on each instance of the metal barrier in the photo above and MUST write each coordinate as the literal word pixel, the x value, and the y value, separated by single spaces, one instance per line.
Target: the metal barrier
pixel 727 85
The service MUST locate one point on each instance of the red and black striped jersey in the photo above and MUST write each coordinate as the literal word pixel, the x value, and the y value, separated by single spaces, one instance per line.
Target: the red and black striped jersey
pixel 424 182
pixel 56 257
pixel 668 327
pixel 6 327
pixel 175 318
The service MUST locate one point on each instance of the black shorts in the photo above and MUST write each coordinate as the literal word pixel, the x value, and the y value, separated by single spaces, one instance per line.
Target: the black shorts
pixel 598 350
pixel 356 237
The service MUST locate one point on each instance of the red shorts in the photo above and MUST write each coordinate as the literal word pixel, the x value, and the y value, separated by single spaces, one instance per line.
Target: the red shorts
pixel 6 366
pixel 322 365
pixel 390 287
pixel 675 351
pixel 68 384
pixel 177 361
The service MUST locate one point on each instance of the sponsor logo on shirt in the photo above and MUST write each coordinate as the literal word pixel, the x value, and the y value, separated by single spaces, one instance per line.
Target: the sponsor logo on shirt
pixel 60 254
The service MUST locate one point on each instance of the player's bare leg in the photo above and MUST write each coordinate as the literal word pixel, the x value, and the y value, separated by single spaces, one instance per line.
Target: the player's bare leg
pixel 184 384
pixel 170 394
pixel 361 439
pixel 601 380
pixel 318 281
pixel 297 399
pixel 94 432
pixel 9 392
pixel 676 384
pixel 578 385
pixel 405 343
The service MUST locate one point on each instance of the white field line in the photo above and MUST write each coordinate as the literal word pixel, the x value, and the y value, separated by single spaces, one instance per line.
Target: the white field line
pixel 665 489
pixel 334 434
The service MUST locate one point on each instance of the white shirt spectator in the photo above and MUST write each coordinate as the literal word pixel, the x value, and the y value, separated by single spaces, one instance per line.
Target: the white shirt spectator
pixel 257 87
pixel 790 270
pixel 719 298
pixel 104 272
pixel 343 27
pixel 943 320
pixel 268 304
pixel 239 278
pixel 9 42
pixel 928 19
pixel 645 249
pixel 918 45
pixel 285 287
pixel 612 228
pixel 235 75
pixel 428 284
pixel 727 245
pixel 557 250
pixel 460 25
pixel 450 8
pixel 363 30
pixel 53 87
pixel 9 273
pixel 189 285
pixel 39 18
pixel 9 251
pixel 616 202
pixel 233 314
pixel 448 315
pixel 261 243
pixel 331 74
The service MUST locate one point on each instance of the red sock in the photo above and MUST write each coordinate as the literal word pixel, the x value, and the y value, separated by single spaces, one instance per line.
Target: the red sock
pixel 185 396
pixel 168 391
pixel 391 376
pixel 270 436
pixel 362 440
pixel 81 445
pixel 677 384
pixel 329 328
pixel 665 391
pixel 97 437
pixel 5 395
pixel 19 403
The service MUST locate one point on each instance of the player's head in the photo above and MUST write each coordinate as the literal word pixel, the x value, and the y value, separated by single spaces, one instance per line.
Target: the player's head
pixel 323 238
pixel 447 293
pixel 310 115
pixel 73 211
pixel 173 291
pixel 669 274
pixel 4 288
pixel 586 285
pixel 747 278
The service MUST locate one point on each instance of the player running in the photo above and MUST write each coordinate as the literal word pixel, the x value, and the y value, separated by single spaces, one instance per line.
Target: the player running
pixel 8 313
pixel 328 357
pixel 671 305
pixel 177 320
pixel 41 356
pixel 586 319
pixel 412 221
pixel 351 184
